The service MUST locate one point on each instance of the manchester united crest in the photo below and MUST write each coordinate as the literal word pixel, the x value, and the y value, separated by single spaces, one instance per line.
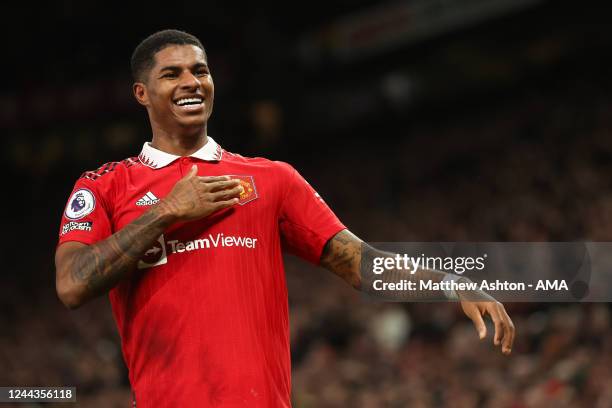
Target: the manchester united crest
pixel 249 192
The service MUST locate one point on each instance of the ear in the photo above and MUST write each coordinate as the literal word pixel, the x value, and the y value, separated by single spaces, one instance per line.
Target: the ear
pixel 141 94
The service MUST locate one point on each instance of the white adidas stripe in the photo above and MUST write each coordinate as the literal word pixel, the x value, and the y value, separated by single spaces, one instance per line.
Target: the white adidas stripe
pixel 147 199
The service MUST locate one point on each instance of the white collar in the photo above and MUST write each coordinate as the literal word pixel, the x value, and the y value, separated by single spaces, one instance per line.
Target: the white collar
pixel 156 159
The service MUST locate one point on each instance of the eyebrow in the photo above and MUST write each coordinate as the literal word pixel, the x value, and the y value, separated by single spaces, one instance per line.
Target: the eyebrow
pixel 177 68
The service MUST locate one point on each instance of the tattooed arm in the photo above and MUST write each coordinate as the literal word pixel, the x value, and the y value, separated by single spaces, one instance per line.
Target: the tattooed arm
pixel 344 253
pixel 86 271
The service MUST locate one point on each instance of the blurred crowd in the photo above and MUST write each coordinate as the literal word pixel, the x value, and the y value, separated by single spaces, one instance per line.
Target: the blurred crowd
pixel 533 167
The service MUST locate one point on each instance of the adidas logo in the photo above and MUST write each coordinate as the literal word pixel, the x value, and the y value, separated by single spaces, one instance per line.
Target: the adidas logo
pixel 148 199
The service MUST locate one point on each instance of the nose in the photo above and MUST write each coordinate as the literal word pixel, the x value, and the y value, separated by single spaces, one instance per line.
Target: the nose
pixel 189 81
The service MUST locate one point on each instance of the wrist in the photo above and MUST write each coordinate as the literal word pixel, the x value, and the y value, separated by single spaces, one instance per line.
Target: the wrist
pixel 166 213
pixel 451 294
pixel 460 287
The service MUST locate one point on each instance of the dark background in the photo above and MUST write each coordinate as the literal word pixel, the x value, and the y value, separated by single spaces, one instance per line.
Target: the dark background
pixel 490 126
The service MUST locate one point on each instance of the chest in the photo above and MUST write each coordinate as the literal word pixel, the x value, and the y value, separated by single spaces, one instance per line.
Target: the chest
pixel 257 209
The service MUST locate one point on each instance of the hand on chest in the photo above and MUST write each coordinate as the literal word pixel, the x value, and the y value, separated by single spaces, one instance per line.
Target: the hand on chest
pixel 140 196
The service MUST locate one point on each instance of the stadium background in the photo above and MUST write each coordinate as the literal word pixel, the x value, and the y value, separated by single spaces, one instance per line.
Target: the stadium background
pixel 417 120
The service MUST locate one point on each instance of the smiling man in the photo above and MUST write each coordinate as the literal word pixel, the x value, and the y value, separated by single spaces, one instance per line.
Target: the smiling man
pixel 187 239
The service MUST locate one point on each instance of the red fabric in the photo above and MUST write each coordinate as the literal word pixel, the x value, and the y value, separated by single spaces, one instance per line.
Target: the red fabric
pixel 210 326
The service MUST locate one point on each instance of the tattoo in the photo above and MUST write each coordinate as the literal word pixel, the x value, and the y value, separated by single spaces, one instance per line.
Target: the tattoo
pixel 99 267
pixel 346 255
pixel 342 256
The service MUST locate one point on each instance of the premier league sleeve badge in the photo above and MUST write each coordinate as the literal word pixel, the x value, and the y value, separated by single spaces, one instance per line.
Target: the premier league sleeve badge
pixel 81 203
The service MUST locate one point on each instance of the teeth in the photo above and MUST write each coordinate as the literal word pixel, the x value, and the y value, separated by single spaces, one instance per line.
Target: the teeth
pixel 185 101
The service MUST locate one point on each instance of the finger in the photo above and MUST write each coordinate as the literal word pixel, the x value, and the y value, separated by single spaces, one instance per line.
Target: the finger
pixel 479 323
pixel 510 332
pixel 193 171
pixel 227 194
pixel 222 185
pixel 219 205
pixel 497 321
pixel 213 179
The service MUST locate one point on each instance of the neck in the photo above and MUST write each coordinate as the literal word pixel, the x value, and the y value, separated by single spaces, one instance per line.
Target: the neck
pixel 179 143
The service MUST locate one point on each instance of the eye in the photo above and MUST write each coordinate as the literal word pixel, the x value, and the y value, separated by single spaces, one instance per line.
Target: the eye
pixel 169 75
pixel 202 73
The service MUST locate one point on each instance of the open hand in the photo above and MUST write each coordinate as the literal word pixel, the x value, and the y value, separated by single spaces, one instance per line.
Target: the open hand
pixel 195 197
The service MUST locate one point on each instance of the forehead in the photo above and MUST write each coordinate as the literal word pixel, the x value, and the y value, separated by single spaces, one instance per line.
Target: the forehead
pixel 179 55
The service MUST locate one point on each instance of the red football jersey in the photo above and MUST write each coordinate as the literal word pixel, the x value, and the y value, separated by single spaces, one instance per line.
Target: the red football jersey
pixel 204 321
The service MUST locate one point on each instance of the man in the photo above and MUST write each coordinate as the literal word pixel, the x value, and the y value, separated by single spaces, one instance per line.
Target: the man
pixel 187 239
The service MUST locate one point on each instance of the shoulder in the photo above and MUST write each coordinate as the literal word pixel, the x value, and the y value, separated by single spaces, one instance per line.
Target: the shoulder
pixel 107 179
pixel 279 168
pixel 108 172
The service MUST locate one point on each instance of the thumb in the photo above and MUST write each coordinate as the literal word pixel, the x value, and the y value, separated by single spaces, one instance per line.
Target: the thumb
pixel 193 171
pixel 479 323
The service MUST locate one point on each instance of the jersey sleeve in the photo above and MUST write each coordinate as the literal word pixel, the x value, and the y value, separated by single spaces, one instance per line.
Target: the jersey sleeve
pixel 306 222
pixel 86 217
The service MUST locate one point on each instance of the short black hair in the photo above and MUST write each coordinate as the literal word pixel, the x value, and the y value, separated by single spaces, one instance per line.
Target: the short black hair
pixel 143 57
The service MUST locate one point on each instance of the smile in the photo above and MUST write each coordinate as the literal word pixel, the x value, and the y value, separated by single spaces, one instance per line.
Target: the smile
pixel 192 103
